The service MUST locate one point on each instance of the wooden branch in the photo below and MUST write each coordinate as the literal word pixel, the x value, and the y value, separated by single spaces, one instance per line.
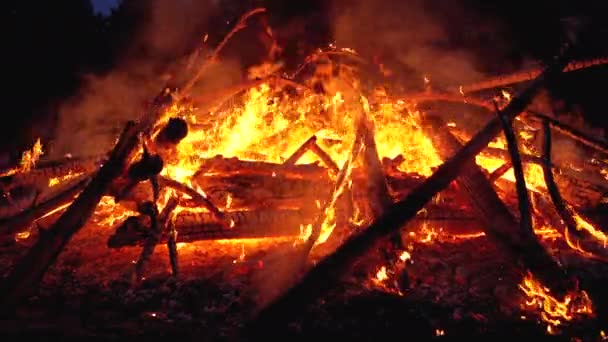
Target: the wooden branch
pixel 524 76
pixel 329 271
pixel 29 271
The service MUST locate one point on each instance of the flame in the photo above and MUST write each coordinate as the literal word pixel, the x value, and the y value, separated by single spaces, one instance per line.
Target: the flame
pixel 554 312
pixel 381 275
pixel 30 157
pixel 583 225
pixel 60 179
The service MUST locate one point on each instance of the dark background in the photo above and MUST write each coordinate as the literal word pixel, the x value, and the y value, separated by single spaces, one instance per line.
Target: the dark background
pixel 49 45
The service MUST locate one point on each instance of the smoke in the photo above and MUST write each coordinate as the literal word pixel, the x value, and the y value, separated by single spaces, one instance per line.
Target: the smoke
pixel 408 31
pixel 89 122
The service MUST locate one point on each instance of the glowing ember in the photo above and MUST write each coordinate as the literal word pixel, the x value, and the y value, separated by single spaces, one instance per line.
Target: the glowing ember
pixel 554 312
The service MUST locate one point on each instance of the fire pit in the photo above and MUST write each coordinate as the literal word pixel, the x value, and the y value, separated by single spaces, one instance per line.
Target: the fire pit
pixel 313 201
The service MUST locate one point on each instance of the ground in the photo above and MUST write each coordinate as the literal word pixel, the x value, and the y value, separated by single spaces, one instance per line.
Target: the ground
pixel 450 289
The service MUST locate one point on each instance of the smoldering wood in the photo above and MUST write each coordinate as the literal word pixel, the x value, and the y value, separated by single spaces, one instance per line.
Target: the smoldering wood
pixel 28 271
pixel 326 273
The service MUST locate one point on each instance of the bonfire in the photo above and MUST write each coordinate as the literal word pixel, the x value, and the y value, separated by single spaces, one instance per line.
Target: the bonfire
pixel 301 178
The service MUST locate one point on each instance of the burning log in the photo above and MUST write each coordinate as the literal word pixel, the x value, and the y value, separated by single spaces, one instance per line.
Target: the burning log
pixel 198 226
pixel 330 270
pixel 158 223
pixel 44 171
pixel 64 196
pixel 233 166
pixel 524 76
pixel 519 245
pixel 29 271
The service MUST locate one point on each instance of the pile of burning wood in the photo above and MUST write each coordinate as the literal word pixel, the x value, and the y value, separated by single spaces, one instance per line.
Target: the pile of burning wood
pixel 317 152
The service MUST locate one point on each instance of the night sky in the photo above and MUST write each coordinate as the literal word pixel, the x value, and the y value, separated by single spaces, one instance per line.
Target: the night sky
pixel 104 6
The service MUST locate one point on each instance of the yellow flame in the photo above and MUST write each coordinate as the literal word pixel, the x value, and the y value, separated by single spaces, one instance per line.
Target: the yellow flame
pixel 60 179
pixel 554 311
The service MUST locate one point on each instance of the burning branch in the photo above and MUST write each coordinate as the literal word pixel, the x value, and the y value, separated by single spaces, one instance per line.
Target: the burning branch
pixel 330 270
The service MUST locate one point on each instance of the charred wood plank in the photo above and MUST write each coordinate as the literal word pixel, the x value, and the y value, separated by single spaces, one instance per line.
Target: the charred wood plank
pixel 28 272
pixel 330 270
